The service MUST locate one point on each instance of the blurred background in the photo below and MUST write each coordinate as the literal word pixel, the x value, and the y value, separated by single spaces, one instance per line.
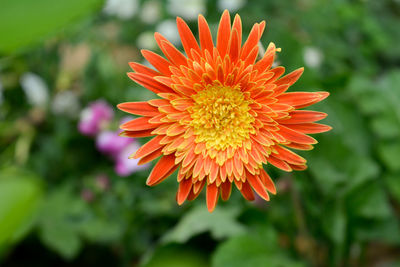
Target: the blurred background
pixel 70 197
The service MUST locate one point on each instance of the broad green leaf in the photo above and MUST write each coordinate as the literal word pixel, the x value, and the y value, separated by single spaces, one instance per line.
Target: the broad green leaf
pixel 370 201
pixel 20 194
pixel 389 153
pixel 249 250
pixel 221 223
pixel 176 256
pixel 25 22
pixel 61 220
pixel 393 185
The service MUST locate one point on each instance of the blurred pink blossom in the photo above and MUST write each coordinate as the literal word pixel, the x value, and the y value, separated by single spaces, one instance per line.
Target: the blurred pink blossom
pixel 124 165
pixel 94 117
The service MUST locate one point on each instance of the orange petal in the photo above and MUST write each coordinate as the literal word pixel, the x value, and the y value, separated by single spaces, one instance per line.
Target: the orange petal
pixel 234 46
pixel 258 186
pixel 279 163
pixel 226 190
pixel 138 124
pixel 224 32
pixel 267 181
pixel 288 156
pixel 303 116
pixel 143 69
pixel 294 136
pixel 206 41
pixel 160 63
pixel 291 78
pixel 251 41
pixel 212 196
pixel 152 156
pixel 246 191
pixel 139 108
pixel 299 146
pixel 164 167
pixel 184 189
pixel 195 193
pixel 237 25
pixel 135 134
pixel 149 83
pixel 149 147
pixel 187 38
pixel 302 99
pixel 310 128
pixel 173 54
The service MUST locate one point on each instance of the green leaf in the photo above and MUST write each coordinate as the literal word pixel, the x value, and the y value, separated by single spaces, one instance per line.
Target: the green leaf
pixel 176 256
pixel 393 185
pixel 250 250
pixel 370 201
pixel 221 223
pixel 25 22
pixel 389 153
pixel 20 194
pixel 61 220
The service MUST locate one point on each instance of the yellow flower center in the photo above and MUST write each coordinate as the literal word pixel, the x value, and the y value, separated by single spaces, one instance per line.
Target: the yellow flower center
pixel 220 117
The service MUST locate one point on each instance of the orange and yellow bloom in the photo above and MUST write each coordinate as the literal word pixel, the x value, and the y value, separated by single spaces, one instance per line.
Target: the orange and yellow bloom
pixel 221 114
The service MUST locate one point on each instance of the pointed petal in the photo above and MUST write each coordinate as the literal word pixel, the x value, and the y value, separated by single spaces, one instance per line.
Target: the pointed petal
pixel 149 83
pixel 187 38
pixel 310 128
pixel 184 189
pixel 206 41
pixel 173 54
pixel 302 99
pixel 258 186
pixel 139 108
pixel 160 63
pixel 295 136
pixel 139 68
pixel 251 41
pixel 288 156
pixel 164 167
pixel 226 190
pixel 237 25
pixel 152 156
pixel 212 196
pixel 303 116
pixel 135 134
pixel 246 191
pixel 149 147
pixel 267 181
pixel 138 124
pixel 291 78
pixel 279 163
pixel 224 32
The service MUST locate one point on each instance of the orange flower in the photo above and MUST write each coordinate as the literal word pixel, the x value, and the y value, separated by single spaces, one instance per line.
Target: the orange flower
pixel 221 114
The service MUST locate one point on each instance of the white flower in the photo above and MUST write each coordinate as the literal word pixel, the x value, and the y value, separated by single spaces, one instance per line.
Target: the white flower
pixel 231 5
pixel 146 40
pixel 168 29
pixel 150 12
pixel 123 9
pixel 66 103
pixel 35 89
pixel 188 9
pixel 312 57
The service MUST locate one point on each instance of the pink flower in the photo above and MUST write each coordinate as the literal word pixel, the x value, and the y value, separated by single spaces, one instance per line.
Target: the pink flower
pixel 124 165
pixel 110 143
pixel 95 117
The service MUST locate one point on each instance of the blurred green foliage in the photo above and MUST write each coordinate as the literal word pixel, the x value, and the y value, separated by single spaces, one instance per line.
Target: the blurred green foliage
pixel 343 211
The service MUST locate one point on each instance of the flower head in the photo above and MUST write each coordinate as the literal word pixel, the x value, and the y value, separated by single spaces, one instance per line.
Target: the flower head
pixel 221 114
